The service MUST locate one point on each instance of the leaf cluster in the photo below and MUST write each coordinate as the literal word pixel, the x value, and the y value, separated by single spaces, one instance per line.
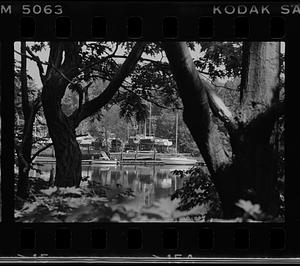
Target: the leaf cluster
pixel 131 105
pixel 197 190
pixel 220 59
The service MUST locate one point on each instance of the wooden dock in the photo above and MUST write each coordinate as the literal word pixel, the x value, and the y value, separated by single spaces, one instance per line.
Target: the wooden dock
pixel 123 158
pixel 141 162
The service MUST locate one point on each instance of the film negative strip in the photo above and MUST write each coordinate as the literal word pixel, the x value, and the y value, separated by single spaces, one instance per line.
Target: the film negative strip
pixel 149 132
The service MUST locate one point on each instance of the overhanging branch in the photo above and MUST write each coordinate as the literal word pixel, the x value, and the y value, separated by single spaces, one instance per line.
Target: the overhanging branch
pixel 94 105
pixel 39 151
pixel 38 62
pixel 26 108
pixel 127 88
pixel 218 107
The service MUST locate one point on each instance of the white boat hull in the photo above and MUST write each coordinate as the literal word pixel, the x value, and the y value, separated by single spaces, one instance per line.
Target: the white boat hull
pixel 179 161
pixel 105 162
pixel 44 160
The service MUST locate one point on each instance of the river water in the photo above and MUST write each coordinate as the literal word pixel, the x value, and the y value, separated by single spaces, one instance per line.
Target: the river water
pixel 150 185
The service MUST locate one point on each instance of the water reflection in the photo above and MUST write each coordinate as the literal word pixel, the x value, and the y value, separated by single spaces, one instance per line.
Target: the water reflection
pixel 150 184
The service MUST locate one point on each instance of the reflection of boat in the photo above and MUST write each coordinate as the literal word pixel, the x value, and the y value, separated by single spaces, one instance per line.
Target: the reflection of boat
pixel 165 182
pixel 179 160
pixel 105 168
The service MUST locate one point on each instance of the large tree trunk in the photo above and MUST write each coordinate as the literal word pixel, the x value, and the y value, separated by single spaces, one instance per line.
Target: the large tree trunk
pixel 249 174
pixel 197 116
pixel 62 128
pixel 255 156
pixel 62 132
pixel 67 151
pixel 24 149
pixel 24 156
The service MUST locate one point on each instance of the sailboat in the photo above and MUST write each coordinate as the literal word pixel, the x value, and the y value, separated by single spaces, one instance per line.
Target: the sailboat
pixel 178 159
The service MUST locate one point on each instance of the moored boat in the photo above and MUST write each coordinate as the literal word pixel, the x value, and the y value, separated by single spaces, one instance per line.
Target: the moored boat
pixel 105 162
pixel 179 161
pixel 104 159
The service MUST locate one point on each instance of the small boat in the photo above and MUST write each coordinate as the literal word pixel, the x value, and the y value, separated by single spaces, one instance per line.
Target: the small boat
pixel 105 162
pixel 104 159
pixel 179 161
pixel 44 159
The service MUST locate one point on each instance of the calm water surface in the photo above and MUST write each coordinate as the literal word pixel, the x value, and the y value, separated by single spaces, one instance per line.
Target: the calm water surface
pixel 151 185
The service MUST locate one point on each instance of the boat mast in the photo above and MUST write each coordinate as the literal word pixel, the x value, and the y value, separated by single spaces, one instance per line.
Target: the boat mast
pixel 150 119
pixel 176 136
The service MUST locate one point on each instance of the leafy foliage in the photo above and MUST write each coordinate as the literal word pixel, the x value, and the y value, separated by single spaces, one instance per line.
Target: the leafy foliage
pixel 197 190
pixel 220 59
pixel 133 106
pixel 53 204
pixel 92 202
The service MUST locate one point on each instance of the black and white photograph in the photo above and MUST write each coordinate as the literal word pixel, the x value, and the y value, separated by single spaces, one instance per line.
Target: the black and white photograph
pixel 149 131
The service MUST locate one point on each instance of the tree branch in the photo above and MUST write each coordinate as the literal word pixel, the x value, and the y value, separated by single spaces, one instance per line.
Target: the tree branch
pixel 80 93
pixel 24 87
pixel 245 68
pixel 38 62
pixel 21 157
pixel 45 148
pixel 37 104
pixel 60 73
pixel 105 77
pixel 196 101
pixel 159 63
pixel 94 105
pixel 39 151
pixel 144 59
pixel 223 87
pixel 55 58
pixel 102 60
pixel 219 108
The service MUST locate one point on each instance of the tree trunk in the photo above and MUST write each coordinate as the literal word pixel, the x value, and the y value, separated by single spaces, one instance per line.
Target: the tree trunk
pixel 62 133
pixel 24 149
pixel 255 156
pixel 66 147
pixel 68 156
pixel 62 128
pixel 24 157
pixel 249 174
pixel 64 62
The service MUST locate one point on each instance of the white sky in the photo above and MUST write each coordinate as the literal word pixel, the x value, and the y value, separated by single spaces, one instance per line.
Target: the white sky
pixel 44 54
